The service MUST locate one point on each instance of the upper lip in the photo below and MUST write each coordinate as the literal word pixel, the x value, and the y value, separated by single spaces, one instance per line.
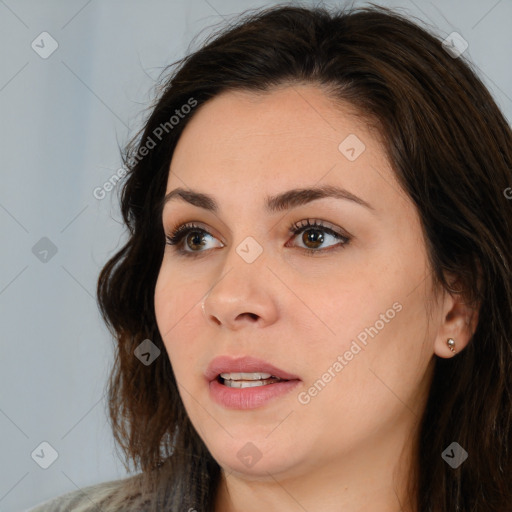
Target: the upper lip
pixel 247 364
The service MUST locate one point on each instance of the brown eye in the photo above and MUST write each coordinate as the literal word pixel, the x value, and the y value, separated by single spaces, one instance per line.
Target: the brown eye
pixel 312 236
pixel 191 236
pixel 190 240
pixel 315 234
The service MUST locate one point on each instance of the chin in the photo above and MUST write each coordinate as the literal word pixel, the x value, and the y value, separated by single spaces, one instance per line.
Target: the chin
pixel 256 457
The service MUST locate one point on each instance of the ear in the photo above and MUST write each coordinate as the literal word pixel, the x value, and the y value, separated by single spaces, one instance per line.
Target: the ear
pixel 459 321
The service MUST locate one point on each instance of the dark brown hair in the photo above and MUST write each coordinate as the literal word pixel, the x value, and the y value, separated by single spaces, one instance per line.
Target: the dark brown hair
pixel 451 150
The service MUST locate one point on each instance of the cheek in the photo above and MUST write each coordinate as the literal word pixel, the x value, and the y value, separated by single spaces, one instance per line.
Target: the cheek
pixel 178 313
pixel 174 297
pixel 376 316
pixel 165 307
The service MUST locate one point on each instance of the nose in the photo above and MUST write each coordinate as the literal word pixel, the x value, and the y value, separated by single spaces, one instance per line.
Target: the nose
pixel 244 295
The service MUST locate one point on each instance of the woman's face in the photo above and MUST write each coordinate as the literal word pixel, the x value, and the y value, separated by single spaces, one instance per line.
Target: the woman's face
pixel 348 318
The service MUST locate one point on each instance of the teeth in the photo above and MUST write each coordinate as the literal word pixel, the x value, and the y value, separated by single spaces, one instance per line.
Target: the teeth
pixel 245 376
pixel 249 384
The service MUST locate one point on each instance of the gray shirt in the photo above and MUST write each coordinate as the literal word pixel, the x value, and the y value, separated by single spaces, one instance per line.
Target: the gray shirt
pixel 112 496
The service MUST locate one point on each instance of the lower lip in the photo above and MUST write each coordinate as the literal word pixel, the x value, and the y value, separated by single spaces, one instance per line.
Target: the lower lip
pixel 248 398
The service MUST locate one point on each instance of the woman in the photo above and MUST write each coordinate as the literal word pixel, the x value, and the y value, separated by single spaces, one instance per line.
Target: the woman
pixel 314 305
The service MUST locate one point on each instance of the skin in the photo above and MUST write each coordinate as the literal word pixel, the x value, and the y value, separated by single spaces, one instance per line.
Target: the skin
pixel 351 447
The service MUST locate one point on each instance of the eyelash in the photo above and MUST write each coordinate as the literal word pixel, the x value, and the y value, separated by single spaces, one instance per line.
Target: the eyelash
pixel 180 232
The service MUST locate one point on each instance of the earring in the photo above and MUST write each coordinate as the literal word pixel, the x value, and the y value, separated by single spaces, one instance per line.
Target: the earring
pixel 451 343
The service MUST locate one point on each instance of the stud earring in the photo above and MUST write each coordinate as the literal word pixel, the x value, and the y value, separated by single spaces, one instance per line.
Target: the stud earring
pixel 451 343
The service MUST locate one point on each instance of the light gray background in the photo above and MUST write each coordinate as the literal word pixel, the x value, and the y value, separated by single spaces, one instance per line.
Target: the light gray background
pixel 61 120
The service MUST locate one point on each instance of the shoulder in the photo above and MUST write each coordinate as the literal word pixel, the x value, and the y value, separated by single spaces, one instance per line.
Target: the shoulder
pixel 93 498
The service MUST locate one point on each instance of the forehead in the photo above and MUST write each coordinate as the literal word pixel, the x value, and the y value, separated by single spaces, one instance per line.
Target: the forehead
pixel 294 136
pixel 266 120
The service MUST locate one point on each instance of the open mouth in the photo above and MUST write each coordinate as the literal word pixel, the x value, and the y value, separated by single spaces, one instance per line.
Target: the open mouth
pixel 247 380
pixel 249 390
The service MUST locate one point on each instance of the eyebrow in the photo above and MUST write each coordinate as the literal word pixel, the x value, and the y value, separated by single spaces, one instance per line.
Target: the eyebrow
pixel 284 201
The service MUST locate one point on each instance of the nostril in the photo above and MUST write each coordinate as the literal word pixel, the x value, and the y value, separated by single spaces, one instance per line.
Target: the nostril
pixel 253 316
